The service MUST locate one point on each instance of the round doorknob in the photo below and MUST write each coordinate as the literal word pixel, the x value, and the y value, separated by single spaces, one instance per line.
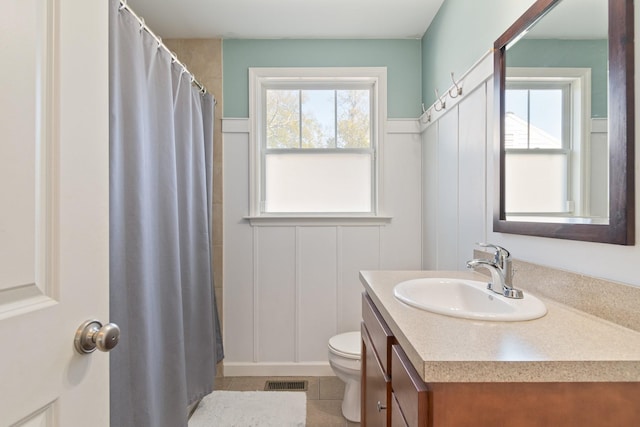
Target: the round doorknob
pixel 92 334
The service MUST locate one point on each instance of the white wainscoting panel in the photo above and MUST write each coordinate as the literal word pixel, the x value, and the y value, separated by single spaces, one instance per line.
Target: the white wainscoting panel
pixel 402 238
pixel 238 295
pixel 447 199
pixel 289 288
pixel 430 198
pixel 472 176
pixel 599 168
pixel 275 282
pixel 359 249
pixel 317 289
pixel 455 183
pixel 492 145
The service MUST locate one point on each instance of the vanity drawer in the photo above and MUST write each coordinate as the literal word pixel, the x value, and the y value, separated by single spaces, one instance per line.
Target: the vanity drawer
pixel 379 332
pixel 409 389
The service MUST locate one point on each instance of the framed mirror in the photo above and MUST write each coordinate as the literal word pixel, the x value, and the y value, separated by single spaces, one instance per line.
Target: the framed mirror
pixel 564 93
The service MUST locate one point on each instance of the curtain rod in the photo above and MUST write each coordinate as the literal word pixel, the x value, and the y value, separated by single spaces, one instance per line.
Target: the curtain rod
pixel 174 57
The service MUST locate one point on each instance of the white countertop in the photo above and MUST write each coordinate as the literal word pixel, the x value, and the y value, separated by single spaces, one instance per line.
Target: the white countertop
pixel 566 345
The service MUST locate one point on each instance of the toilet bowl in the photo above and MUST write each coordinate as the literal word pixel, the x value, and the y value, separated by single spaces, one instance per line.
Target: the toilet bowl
pixel 344 358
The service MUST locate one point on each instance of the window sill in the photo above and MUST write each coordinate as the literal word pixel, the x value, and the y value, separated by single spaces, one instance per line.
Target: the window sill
pixel 317 220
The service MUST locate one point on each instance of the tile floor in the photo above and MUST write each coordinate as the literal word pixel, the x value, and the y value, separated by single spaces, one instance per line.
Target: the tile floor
pixel 324 397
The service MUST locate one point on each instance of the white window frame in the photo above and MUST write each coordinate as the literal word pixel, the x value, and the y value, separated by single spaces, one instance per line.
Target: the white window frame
pixel 262 78
pixel 578 146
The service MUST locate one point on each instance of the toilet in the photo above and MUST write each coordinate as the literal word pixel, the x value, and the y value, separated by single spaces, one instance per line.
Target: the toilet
pixel 344 358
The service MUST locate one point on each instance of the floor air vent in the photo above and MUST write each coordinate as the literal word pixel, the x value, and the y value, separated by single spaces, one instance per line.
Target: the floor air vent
pixel 285 386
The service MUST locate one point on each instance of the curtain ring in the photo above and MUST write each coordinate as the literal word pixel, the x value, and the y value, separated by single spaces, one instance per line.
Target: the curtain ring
pixel 174 57
pixel 159 40
pixel 142 25
pixel 123 4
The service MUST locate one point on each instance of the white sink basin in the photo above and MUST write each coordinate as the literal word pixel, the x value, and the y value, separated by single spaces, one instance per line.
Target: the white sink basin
pixel 468 299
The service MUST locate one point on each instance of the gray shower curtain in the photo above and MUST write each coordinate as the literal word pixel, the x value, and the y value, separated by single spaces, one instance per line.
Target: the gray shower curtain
pixel 161 279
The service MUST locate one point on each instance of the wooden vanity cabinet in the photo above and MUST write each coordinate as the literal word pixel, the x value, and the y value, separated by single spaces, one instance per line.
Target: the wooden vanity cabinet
pixel 377 340
pixel 389 379
pixel 398 400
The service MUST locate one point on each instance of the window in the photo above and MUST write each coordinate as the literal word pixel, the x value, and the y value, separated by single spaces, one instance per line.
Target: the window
pixel 316 141
pixel 546 141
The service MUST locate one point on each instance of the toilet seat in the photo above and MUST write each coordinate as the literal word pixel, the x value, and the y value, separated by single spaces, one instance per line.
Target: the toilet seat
pixel 344 359
pixel 347 345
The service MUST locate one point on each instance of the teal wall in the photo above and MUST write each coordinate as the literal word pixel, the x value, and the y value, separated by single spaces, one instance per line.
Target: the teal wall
pixel 568 53
pixel 401 57
pixel 461 32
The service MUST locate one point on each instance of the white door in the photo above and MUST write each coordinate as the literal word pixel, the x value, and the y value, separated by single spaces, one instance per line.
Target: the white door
pixel 54 230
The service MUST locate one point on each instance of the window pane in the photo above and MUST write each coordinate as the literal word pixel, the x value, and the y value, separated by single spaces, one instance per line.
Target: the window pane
pixel 318 119
pixel 516 126
pixel 321 183
pixel 545 118
pixel 536 183
pixel 282 118
pixel 533 118
pixel 354 119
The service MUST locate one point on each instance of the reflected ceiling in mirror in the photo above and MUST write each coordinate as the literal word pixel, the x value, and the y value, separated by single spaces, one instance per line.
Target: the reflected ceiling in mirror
pixel 566 164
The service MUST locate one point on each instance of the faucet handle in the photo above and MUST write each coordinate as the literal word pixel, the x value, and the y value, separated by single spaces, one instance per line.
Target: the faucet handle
pixel 501 254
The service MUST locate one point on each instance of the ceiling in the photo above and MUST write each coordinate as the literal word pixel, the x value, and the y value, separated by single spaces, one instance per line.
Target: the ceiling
pixel 300 19
pixel 573 19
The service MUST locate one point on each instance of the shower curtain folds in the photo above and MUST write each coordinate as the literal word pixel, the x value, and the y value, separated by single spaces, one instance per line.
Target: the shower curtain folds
pixel 161 278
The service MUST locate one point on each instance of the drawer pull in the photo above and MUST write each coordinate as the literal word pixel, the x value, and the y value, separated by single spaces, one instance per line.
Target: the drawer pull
pixel 381 406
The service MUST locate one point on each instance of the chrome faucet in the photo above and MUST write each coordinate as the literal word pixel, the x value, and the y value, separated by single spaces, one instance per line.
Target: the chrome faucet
pixel 501 271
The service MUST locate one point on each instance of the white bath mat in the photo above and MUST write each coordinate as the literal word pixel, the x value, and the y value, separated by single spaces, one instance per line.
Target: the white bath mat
pixel 251 409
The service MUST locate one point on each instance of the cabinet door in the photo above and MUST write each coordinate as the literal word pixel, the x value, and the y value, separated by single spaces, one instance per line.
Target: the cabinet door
pixel 397 417
pixel 375 387
pixel 409 389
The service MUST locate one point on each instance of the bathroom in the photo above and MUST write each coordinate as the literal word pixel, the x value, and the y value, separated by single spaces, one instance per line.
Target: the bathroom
pixel 284 289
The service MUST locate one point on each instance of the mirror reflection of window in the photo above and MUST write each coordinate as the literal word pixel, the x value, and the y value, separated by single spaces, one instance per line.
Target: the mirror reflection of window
pixel 537 143
pixel 536 117
pixel 548 143
pixel 556 154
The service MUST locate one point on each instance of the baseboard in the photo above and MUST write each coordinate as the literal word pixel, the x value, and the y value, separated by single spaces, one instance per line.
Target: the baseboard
pixel 265 369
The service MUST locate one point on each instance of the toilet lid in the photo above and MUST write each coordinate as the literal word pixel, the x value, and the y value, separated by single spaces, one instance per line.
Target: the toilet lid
pixel 346 345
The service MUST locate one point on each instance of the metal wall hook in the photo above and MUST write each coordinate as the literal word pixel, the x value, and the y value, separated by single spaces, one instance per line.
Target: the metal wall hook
pixel 442 101
pixel 458 89
pixel 426 114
